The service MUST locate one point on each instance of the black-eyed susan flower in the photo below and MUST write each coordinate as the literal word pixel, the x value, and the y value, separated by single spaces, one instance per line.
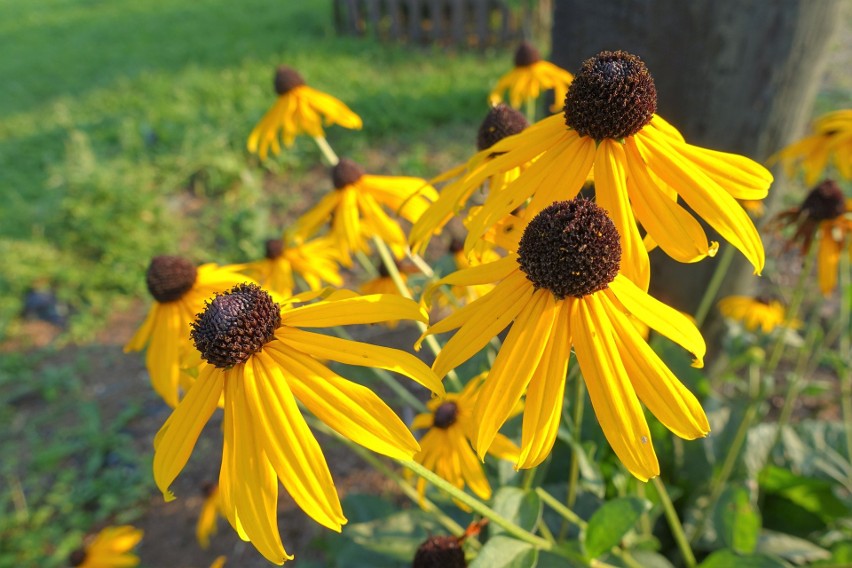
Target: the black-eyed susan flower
pixel 110 548
pixel 441 551
pixel 754 312
pixel 316 262
pixel 445 447
pixel 299 109
pixel 563 288
pixel 641 166
pixel 356 209
pixel 825 214
pixel 831 141
pixel 179 289
pixel 259 360
pixel 211 510
pixel 501 121
pixel 530 76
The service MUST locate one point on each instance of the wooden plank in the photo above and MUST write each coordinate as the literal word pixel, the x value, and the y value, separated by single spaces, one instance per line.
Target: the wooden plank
pixel 395 15
pixel 415 31
pixel 481 22
pixel 457 18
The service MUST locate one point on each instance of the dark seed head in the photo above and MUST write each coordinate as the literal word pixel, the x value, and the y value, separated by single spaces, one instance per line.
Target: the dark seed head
pixel 571 248
pixel 274 248
pixel 346 172
pixel 287 79
pixel 440 552
pixel 824 202
pixel 456 245
pixel 526 55
pixel 77 557
pixel 170 277
pixel 613 96
pixel 501 121
pixel 763 299
pixel 445 415
pixel 235 325
pixel 208 488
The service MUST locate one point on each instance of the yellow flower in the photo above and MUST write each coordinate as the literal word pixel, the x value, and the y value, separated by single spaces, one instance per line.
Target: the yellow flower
pixel 641 166
pixel 111 548
pixel 211 509
pixel 561 288
pixel 501 121
pixel 219 562
pixel 315 261
pixel 754 312
pixel 530 76
pixel 831 140
pixel 384 284
pixel 355 210
pixel 825 213
pixel 445 447
pixel 179 290
pixel 260 362
pixel 299 109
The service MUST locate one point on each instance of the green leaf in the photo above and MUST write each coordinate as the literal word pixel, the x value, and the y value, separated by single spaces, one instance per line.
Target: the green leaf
pixel 505 552
pixel 729 559
pixel 797 550
pixel 813 495
pixel 737 522
pixel 611 522
pixel 521 507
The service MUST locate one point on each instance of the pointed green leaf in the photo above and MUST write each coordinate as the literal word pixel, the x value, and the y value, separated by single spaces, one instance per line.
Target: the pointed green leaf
pixel 729 559
pixel 737 522
pixel 505 552
pixel 521 507
pixel 610 523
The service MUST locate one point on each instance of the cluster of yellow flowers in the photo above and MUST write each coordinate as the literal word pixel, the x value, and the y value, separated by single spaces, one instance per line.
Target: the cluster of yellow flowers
pixel 564 273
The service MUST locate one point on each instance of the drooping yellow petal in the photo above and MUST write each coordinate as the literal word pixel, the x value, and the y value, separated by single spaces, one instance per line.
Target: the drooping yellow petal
pixel 351 410
pixel 184 426
pixel 513 368
pixel 657 387
pixel 360 354
pixel 291 447
pixel 828 259
pixel 359 309
pixel 543 404
pixel 479 274
pixel 661 318
pixel 613 398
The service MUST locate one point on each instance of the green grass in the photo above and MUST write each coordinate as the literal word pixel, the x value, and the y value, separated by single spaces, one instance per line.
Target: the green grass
pixel 123 126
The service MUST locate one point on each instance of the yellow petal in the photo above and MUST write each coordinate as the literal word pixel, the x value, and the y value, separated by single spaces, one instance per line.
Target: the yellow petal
pixel 480 274
pixel 828 258
pixel 662 318
pixel 613 399
pixel 184 426
pixel 359 309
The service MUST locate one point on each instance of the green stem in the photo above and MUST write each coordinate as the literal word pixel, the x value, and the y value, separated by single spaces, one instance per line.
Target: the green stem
pixel 327 151
pixel 674 524
pixel 529 110
pixel 792 310
pixel 845 370
pixel 448 523
pixel 389 380
pixel 393 272
pixel 712 289
pixel 478 506
pixel 366 264
pixel 560 508
pixel 579 404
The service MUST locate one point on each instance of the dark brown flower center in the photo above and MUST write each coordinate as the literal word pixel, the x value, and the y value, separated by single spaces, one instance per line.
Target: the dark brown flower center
pixel 440 552
pixel 763 299
pixel 287 79
pixel 613 96
pixel 571 248
pixel 274 248
pixel 77 557
pixel 445 415
pixel 824 202
pixel 235 325
pixel 208 488
pixel 346 172
pixel 456 245
pixel 501 121
pixel 170 277
pixel 526 55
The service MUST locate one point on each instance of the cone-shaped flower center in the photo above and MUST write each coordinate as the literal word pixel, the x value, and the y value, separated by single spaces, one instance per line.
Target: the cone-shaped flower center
pixel 274 248
pixel 287 79
pixel 824 202
pixel 445 415
pixel 526 55
pixel 456 245
pixel 502 121
pixel 571 248
pixel 170 277
pixel 77 557
pixel 439 552
pixel 613 96
pixel 346 172
pixel 761 299
pixel 235 325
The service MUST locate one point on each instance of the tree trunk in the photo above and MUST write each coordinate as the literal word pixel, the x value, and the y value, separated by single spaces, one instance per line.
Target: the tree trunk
pixel 736 76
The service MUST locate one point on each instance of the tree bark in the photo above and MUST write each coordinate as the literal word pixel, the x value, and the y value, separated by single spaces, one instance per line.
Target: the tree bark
pixel 736 76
